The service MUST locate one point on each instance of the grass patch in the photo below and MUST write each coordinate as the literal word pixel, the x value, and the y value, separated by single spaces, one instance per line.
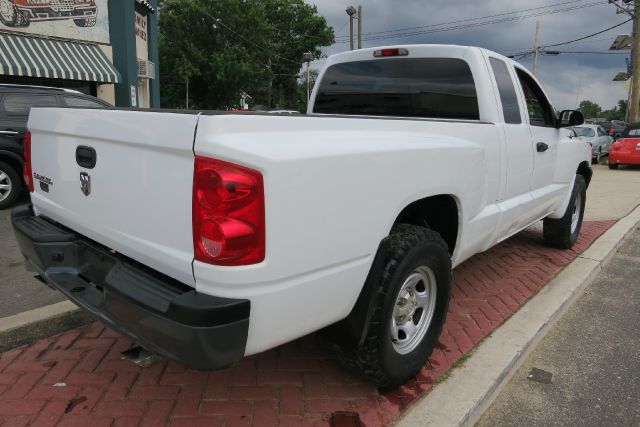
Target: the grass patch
pixel 458 364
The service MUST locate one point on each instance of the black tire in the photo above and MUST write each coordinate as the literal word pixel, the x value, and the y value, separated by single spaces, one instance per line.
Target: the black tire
pixel 15 181
pixel 613 165
pixel 558 232
pixel 596 160
pixel 409 248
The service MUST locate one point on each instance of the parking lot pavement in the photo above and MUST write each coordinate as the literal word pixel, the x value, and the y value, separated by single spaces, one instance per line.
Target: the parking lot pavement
pixel 19 291
pixel 79 378
pixel 612 193
pixel 591 354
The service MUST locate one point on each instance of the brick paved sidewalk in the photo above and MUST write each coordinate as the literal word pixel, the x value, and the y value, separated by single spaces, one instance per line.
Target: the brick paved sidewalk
pixel 79 379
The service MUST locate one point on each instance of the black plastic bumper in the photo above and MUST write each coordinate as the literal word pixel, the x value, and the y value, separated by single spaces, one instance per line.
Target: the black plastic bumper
pixel 159 313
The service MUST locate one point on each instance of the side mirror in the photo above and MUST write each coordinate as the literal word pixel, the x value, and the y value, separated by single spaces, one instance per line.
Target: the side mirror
pixel 570 118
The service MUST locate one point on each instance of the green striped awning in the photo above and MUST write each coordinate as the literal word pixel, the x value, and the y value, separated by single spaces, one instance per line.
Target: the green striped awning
pixel 55 59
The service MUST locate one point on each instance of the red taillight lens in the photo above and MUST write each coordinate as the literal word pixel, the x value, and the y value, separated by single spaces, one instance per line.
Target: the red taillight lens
pixel 383 53
pixel 612 131
pixel 27 171
pixel 228 213
pixel 616 146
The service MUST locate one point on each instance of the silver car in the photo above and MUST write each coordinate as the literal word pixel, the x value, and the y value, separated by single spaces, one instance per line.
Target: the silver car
pixel 598 138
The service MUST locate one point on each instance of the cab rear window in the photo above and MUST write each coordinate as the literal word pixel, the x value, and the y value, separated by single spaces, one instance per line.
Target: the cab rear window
pixel 404 87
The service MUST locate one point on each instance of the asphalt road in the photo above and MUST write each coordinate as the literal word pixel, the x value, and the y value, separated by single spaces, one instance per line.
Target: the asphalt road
pixel 19 291
pixel 591 354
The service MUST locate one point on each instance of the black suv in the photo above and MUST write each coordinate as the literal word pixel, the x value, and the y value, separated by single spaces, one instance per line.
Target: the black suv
pixel 15 103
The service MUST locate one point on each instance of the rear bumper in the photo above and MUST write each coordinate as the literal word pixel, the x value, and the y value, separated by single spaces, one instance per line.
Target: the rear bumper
pixel 624 157
pixel 159 313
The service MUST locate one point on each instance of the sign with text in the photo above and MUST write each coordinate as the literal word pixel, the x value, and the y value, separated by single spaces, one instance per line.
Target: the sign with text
pixel 87 20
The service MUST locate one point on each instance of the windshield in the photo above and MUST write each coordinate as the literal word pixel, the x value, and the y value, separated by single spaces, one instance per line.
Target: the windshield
pixel 409 87
pixel 588 132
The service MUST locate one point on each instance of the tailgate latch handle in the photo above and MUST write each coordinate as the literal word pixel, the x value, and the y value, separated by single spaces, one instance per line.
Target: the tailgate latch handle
pixel 86 156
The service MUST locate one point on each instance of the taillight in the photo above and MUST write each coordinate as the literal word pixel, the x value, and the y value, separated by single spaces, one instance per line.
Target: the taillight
pixel 384 53
pixel 616 146
pixel 228 213
pixel 612 131
pixel 27 171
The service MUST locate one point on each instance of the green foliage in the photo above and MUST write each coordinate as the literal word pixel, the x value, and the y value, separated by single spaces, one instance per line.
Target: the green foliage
pixel 223 47
pixel 589 109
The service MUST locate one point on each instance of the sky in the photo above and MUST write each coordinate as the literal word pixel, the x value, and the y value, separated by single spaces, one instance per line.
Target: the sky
pixel 567 78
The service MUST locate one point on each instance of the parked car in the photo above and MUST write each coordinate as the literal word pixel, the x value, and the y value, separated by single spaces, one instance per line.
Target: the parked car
pixel 597 137
pixel 613 128
pixel 21 13
pixel 208 237
pixel 15 104
pixel 626 150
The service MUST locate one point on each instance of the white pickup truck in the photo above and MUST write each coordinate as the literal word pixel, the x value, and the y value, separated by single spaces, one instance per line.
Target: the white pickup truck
pixel 207 237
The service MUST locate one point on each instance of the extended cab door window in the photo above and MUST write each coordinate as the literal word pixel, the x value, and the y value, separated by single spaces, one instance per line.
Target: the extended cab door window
pixel 508 97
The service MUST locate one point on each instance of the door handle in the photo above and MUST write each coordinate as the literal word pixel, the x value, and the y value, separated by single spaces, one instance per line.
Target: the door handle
pixel 86 156
pixel 541 147
pixel 8 132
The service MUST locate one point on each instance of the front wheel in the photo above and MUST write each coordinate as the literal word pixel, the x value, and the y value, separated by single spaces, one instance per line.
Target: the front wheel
pixel 563 232
pixel 613 165
pixel 85 22
pixel 410 308
pixel 597 157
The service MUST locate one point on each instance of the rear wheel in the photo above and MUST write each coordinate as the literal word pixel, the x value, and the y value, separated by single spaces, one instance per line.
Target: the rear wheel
pixel 596 159
pixel 10 185
pixel 613 165
pixel 563 232
pixel 410 308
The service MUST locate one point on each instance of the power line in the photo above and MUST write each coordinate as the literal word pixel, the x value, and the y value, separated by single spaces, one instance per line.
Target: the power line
pixel 471 19
pixel 480 24
pixel 590 35
pixel 524 54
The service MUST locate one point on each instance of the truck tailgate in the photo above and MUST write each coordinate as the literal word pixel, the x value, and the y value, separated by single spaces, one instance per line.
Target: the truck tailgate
pixel 139 199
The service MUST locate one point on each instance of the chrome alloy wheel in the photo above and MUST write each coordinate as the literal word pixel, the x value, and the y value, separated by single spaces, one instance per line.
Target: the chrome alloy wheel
pixel 575 217
pixel 413 310
pixel 7 11
pixel 5 185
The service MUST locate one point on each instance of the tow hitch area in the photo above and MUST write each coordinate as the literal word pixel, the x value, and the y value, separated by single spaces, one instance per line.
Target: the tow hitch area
pixel 141 356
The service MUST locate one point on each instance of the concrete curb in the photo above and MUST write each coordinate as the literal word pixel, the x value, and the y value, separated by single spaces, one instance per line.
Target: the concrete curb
pixel 470 389
pixel 29 326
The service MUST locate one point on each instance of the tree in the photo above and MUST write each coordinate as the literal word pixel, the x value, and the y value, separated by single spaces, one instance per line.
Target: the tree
pixel 589 109
pixel 616 113
pixel 224 47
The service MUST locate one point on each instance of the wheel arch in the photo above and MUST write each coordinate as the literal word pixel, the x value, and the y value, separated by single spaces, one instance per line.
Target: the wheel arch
pixel 441 213
pixel 585 171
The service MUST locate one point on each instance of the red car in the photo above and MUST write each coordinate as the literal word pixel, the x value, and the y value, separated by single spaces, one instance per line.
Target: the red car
pixel 626 150
pixel 20 13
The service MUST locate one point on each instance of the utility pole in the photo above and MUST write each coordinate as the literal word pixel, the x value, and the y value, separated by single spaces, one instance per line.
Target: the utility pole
pixel 536 48
pixel 308 57
pixel 635 62
pixel 351 11
pixel 359 27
